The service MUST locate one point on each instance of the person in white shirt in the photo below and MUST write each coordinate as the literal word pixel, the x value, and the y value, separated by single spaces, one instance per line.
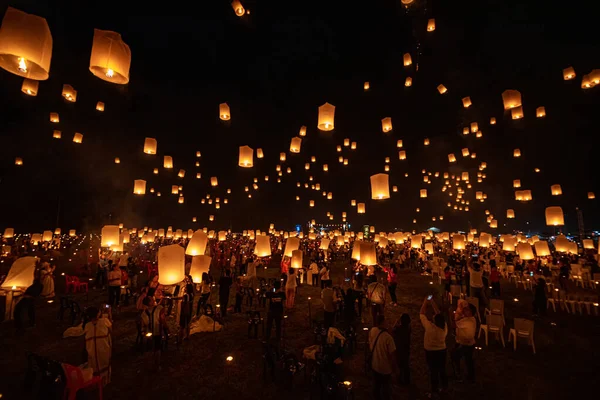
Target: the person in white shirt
pixel 435 345
pixel 383 359
pixel 324 274
pixel 290 288
pixel 466 327
pixel 314 272
pixel 476 281
pixel 376 293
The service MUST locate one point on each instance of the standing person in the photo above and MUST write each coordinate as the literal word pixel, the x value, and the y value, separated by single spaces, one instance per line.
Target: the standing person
pixel 224 285
pixel 114 284
pixel 401 334
pixel 435 346
pixel 376 298
pixel 204 292
pixel 324 275
pixel 98 343
pixel 476 282
pixel 47 280
pixel 466 326
pixel 185 314
pixel 154 323
pixel 495 280
pixel 383 359
pixel 276 298
pixel 101 273
pixel 290 288
pixel 27 303
pixel 392 283
pixel 329 297
pixel 314 272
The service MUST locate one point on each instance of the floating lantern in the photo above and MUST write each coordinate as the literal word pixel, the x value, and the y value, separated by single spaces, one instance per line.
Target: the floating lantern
pixel 200 265
pixel 25 45
pixel 517 112
pixel 139 186
pixel 238 9
pixel 510 213
pixel 540 112
pixel 47 236
pixel 181 199
pixel 78 138
pixel 246 157
pixel 324 244
pixel 72 233
pixel 150 146
pixel 30 87
pixel 407 59
pixel 168 162
pixel 18 161
pixel 368 254
pixel 568 73
pixel 109 235
pixel 366 86
pixel 329 195
pixel 295 144
pixel 588 244
pixel 408 81
pixel 9 233
pixel 346 142
pixel 591 195
pixel 431 25
pixel 399 144
pixel 54 118
pixel 224 113
pixel 181 173
pixel 69 93
pixel 311 203
pixel 556 190
pixel 525 251
pixel 458 242
pixel 474 127
pixel 494 224
pixel 296 259
pixel 263 246
pixel 325 167
pixel 465 152
pixel 171 264
pixel 394 189
pixel 402 155
pixel 516 183
pixel 466 102
pixel 554 216
pixel 111 57
pixel 326 117
pixel 492 121
pixel 353 146
pixel 222 236
pixel 442 89
pixel 386 124
pixel 426 142
pixel 360 208
pixel 541 248
pixel 99 106
pixel 380 189
pixel 511 99
pixel 423 193
pixel 353 203
pixel 516 153
pixel 214 181
pixel 451 158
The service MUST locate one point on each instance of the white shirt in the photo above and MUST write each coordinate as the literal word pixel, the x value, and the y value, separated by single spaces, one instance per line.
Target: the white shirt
pixel 475 278
pixel 291 282
pixel 376 293
pixel 435 338
pixel 314 268
pixel 381 362
pixel 465 331
pixel 324 274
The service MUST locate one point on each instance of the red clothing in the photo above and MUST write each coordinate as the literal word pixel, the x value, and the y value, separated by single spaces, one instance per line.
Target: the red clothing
pixel 494 276
pixel 392 277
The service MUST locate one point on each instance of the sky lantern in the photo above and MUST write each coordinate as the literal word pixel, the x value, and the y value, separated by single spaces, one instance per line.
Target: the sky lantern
pixel 9 233
pixel 181 173
pixel 30 87
pixel 111 57
pixel 540 112
pixel 465 152
pixel 458 242
pixel 556 190
pixel 380 188
pixel 99 106
pixel 302 132
pixel 399 144
pixel 214 181
pixel 168 162
pixel 591 195
pixel 467 102
pixel 326 117
pixel 423 193
pixel 516 153
pixel 492 121
pixel 554 216
pixel 171 264
pixel 78 138
pixel 222 236
pixel 150 145
pixel 368 254
pixel 291 244
pixel 478 195
pixel 246 157
pixel 517 112
pixel 386 124
pixel 18 161
pixel 408 81
pixel 431 25
pixel 200 265
pixel 139 186
pixel 407 59
pixel 494 224
pixel 442 89
pixel 474 127
pixel 72 233
pixel 510 213
pixel 466 130
pixel 426 142
pixel 353 146
pixel 451 158
pixel 263 246
pixel 295 145
pixel 54 118
pixel 394 189
pixel 525 251
pixel 346 142
pixel 541 248
pixel 69 93
pixel 366 86
pixel 224 113
pixel 402 155
pixel 259 153
pixel 361 208
pixel 568 73
pixel 25 45
pixel 588 244
pixel 109 235
pixel 516 183
pixel 595 76
pixel 586 82
pixel 181 199
pixel 238 8
pixel 511 99
pixel 47 236
pixel 198 175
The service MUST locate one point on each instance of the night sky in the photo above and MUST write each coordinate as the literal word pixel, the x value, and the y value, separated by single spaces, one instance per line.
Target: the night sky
pixel 274 68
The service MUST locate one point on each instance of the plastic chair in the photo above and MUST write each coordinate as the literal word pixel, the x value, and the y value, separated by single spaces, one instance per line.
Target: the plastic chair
pixel 572 301
pixel 553 300
pixel 475 302
pixel 76 381
pixel 455 291
pixel 524 329
pixel 496 308
pixel 79 286
pixel 70 283
pixel 494 324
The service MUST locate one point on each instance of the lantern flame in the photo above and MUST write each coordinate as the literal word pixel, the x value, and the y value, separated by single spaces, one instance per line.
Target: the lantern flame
pixel 22 64
pixel 110 73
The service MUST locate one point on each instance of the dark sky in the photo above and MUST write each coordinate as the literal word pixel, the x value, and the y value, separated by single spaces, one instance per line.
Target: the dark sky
pixel 274 67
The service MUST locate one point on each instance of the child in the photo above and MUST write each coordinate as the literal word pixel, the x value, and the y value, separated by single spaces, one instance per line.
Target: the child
pixel 401 333
pixel 495 281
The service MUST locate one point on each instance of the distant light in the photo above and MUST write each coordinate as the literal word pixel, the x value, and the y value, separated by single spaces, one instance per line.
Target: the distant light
pixel 229 359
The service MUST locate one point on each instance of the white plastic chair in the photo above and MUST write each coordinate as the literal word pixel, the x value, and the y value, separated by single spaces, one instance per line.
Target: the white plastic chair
pixel 524 329
pixel 496 308
pixel 475 302
pixel 494 324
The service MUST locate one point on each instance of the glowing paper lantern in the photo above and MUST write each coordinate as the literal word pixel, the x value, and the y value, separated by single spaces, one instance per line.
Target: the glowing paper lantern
pixel 517 112
pixel 69 93
pixel 200 265
pixel 568 73
pixel 18 161
pixel 222 236
pixel 525 251
pixel 238 8
pixel 78 138
pixel 416 241
pixel 431 25
pixel 402 155
pixel 263 246
pixel 516 153
pixel 100 106
pixel 554 216
pixel 366 86
pixel 295 145
pixel 386 124
pixel 516 183
pixel 168 162
pixel 246 157
pixel 171 264
pixel 474 127
pixel 30 87
pixel 181 173
pixel 540 112
pixel 72 232
pixel 541 248
pixel 511 99
pixel 224 113
pixel 510 213
pixel 360 208
pixel 423 193
pixel 296 259
pixel 111 57
pixel 9 233
pixel 408 81
pixel 291 244
pixel 380 187
pixel 368 254
pixel 302 131
pixel 109 235
pixel 442 89
pixel 25 45
pixel 451 158
pixel 494 224
pixel 467 102
pixel 591 195
pixel 492 121
pixel 588 244
pixel 556 190
pixel 324 244
pixel 259 153
pixel 326 117
pixel 54 118
pixel 139 186
pixel 465 152
pixel 150 145
pixel 407 59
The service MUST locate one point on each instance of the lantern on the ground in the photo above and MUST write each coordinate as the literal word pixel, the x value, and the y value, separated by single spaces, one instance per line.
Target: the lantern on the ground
pixel 109 235
pixel 246 157
pixel 326 117
pixel 200 265
pixel 380 187
pixel 78 138
pixel 224 113
pixel 263 246
pixel 554 216
pixel 511 99
pixel 30 87
pixel 168 162
pixel 150 145
pixel 295 145
pixel 386 124
pixel 171 264
pixel 139 186
pixel 111 57
pixel 25 45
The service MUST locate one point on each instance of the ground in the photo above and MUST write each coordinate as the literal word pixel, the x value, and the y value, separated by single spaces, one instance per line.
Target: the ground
pixel 566 364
